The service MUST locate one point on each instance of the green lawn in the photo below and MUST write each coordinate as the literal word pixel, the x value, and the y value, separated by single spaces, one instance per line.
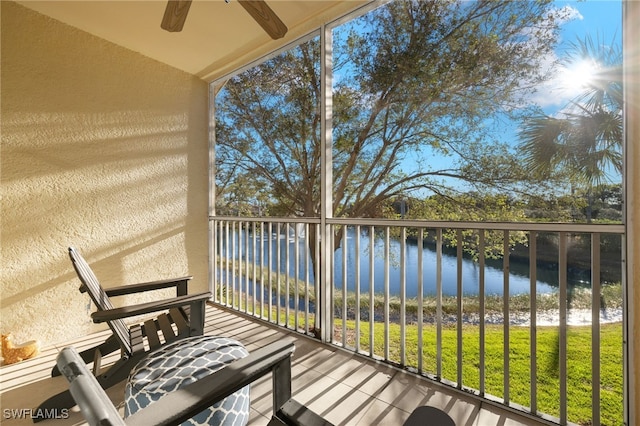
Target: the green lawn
pixel 579 383
pixel 579 386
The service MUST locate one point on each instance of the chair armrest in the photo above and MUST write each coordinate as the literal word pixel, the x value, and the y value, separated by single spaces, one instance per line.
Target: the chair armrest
pixel 145 308
pixel 179 283
pixel 182 404
pixel 96 406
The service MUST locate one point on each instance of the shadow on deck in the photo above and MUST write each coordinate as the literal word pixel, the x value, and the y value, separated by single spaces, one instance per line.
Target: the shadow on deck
pixel 343 387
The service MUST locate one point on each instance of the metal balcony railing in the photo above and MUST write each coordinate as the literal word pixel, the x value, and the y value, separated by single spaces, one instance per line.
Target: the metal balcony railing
pixel 429 297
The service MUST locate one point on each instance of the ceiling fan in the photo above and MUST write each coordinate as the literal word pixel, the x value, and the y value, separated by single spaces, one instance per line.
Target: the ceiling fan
pixel 176 13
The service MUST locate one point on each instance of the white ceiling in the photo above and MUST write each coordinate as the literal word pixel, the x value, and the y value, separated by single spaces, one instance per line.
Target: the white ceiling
pixel 217 38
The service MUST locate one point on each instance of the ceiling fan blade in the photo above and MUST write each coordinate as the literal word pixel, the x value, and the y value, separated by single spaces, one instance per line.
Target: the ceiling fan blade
pixel 175 14
pixel 266 17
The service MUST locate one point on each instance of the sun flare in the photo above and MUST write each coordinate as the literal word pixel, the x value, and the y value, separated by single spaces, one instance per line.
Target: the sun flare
pixel 578 76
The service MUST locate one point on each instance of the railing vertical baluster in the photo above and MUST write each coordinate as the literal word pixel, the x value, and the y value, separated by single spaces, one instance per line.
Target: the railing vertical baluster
pixel 239 265
pixel 254 240
pixel 217 268
pixel 287 274
pixel 262 265
pixel 242 266
pixel 306 278
pixel 387 244
pixel 533 327
pixel 459 305
pixel 506 315
pixel 372 281
pixel 219 261
pixel 403 296
pixel 227 261
pixel 296 288
pixel 562 341
pixel 481 295
pixel 316 281
pixel 235 276
pixel 357 286
pixel 420 291
pixel 630 411
pixel 332 281
pixel 234 255
pixel 278 271
pixel 344 286
pixel 243 259
pixel 224 270
pixel 231 258
pixel 246 266
pixel 213 272
pixel 595 328
pixel 269 269
pixel 439 303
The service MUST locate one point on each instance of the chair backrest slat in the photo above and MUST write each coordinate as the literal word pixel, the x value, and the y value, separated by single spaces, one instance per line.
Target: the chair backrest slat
pixel 99 297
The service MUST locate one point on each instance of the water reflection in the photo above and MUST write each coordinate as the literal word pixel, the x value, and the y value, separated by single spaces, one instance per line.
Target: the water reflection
pixel 267 247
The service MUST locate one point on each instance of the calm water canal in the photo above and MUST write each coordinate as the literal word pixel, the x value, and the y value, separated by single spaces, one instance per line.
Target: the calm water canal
pixel 494 277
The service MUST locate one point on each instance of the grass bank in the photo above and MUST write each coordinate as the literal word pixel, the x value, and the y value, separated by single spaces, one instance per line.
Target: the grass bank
pixel 579 298
pixel 579 377
pixel 579 356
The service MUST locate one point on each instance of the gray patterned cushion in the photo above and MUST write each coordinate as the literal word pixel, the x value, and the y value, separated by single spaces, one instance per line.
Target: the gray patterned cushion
pixel 180 363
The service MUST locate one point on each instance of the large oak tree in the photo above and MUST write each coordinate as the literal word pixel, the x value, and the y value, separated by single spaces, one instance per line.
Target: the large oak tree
pixel 413 82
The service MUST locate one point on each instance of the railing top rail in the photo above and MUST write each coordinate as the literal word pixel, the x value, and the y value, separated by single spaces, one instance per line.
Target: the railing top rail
pixel 431 224
pixel 267 219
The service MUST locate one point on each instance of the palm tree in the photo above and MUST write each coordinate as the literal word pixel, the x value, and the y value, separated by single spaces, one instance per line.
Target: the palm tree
pixel 585 141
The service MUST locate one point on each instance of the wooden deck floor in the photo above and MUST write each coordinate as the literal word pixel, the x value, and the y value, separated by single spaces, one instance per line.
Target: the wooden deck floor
pixel 343 387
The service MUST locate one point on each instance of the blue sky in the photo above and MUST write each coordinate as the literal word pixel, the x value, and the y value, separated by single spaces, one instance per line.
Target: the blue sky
pixel 602 16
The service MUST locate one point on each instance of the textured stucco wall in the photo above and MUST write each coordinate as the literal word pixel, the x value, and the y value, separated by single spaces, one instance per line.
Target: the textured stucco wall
pixel 102 149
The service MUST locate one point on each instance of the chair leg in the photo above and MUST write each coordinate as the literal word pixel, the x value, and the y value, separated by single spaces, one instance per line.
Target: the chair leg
pixel 196 317
pixel 118 371
pixel 88 355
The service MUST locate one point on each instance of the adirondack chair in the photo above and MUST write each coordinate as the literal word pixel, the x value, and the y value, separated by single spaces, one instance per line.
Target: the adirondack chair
pixel 180 317
pixel 184 403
